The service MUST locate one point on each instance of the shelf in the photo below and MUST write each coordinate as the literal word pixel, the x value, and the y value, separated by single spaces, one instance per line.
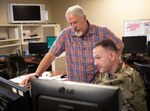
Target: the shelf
pixel 37 37
pixel 9 40
pixel 8 25
pixel 17 36
pixel 11 45
pixel 31 29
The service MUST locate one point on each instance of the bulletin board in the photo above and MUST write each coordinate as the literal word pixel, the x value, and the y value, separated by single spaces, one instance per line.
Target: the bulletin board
pixel 137 27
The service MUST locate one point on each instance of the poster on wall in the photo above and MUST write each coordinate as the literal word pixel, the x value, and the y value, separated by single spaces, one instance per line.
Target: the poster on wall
pixel 137 28
pixel 146 29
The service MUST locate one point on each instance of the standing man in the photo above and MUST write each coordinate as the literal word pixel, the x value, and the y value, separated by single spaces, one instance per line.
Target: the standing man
pixel 77 41
pixel 113 72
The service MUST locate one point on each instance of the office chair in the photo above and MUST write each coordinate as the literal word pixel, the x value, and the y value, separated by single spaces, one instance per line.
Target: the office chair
pixel 144 71
pixel 3 70
pixel 16 65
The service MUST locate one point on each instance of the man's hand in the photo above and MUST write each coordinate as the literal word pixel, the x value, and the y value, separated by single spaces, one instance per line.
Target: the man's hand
pixel 26 81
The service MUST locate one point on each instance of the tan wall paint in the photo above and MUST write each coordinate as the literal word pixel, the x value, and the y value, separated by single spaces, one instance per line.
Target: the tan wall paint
pixel 109 13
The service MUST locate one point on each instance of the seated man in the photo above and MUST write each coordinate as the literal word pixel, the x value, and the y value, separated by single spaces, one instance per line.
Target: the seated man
pixel 115 73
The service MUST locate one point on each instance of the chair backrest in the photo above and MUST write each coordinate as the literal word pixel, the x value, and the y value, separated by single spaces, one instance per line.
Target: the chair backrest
pixel 3 70
pixel 16 65
pixel 144 70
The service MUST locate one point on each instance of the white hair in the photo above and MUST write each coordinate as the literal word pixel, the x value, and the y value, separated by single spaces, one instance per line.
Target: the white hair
pixel 75 10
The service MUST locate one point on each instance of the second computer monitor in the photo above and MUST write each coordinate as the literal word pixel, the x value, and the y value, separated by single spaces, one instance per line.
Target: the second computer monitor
pixel 38 48
pixel 134 45
pixel 148 48
pixel 50 40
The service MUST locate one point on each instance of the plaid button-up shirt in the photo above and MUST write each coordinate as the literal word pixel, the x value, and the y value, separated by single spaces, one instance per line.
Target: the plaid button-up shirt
pixel 78 50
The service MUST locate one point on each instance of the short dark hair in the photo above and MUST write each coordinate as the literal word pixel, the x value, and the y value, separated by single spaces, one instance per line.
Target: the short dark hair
pixel 107 44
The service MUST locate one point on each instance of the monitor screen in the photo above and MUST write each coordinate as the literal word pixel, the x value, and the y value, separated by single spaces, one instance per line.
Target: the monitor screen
pixel 24 13
pixel 148 48
pixel 50 40
pixel 38 48
pixel 134 44
pixel 73 96
pixel 14 97
pixel 33 15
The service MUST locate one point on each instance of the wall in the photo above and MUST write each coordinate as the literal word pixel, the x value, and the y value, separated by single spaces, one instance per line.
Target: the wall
pixel 109 13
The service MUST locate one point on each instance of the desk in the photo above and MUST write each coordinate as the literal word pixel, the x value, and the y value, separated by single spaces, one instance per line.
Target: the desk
pixel 31 60
pixel 17 65
pixel 27 60
pixel 54 75
pixel 130 60
pixel 55 66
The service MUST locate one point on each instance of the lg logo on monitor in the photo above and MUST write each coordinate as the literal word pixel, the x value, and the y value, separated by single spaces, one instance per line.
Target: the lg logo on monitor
pixel 62 90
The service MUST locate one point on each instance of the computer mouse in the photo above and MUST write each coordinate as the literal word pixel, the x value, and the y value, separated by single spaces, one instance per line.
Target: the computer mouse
pixel 63 76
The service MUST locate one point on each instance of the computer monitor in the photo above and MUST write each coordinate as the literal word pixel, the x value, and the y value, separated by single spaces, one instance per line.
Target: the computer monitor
pixel 57 95
pixel 134 45
pixel 148 48
pixel 14 97
pixel 50 40
pixel 38 48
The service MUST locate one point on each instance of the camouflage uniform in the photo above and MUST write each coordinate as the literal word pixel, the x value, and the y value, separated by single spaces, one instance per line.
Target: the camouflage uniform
pixel 131 85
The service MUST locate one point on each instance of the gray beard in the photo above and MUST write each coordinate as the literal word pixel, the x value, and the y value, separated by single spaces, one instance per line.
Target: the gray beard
pixel 79 34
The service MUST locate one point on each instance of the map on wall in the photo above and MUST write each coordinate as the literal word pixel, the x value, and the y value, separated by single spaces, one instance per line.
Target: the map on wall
pixel 137 28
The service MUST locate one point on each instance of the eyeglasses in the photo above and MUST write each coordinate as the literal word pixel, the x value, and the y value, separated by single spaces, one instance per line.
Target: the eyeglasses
pixel 76 23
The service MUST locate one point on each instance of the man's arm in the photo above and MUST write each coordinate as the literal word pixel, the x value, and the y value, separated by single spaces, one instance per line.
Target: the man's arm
pixel 44 64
